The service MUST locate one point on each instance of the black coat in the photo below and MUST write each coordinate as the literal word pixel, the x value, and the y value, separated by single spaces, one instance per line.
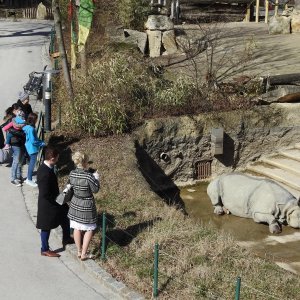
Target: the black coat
pixel 50 214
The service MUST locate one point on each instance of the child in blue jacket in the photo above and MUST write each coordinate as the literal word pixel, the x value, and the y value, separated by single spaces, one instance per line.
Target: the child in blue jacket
pixel 32 145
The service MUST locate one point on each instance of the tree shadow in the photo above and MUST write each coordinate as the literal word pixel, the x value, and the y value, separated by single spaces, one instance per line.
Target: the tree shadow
pixel 65 163
pixel 124 237
pixel 159 182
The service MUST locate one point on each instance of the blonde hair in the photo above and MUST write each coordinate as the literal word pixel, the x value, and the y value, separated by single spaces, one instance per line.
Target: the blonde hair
pixel 79 159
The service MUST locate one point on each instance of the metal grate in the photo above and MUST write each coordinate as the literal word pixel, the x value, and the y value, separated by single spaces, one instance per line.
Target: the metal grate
pixel 203 169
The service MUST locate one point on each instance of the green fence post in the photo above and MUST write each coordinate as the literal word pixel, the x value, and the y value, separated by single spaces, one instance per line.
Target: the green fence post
pixel 155 275
pixel 52 40
pixel 103 236
pixel 59 115
pixel 55 63
pixel 238 288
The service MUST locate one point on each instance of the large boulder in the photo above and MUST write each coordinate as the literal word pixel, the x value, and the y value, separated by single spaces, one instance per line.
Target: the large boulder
pixel 137 38
pixel 154 38
pixel 159 22
pixel 280 25
pixel 41 13
pixel 169 42
pixel 295 24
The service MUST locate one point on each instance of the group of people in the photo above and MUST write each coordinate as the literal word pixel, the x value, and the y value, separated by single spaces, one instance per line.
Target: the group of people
pixel 21 139
pixel 80 214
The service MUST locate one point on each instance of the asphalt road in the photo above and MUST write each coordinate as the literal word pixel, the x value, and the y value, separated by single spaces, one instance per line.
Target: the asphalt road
pixel 24 273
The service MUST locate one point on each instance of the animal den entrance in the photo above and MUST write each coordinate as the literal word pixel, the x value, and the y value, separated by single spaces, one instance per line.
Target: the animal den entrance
pixel 203 169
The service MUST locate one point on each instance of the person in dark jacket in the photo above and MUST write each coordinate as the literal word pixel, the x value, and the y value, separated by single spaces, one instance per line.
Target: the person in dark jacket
pixel 50 214
pixel 23 102
pixel 17 144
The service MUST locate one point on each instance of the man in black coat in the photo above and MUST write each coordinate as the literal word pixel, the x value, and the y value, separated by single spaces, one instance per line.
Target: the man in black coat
pixel 50 214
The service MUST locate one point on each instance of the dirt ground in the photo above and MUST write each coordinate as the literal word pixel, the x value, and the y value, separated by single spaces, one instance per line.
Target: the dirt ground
pixel 270 54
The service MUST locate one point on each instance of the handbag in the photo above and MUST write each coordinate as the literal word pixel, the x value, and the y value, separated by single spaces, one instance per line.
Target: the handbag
pixel 65 196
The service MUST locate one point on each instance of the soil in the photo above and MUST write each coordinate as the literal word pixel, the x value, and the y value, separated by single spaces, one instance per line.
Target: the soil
pixel 271 54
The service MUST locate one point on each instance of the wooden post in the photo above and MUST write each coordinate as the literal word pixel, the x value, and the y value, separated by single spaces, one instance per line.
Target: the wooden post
pixel 257 11
pixel 276 8
pixel 248 14
pixel 266 11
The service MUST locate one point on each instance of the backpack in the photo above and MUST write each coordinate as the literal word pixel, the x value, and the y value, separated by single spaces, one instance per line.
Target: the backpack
pixel 5 156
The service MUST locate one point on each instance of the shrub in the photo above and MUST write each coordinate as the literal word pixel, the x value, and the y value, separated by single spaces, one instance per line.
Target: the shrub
pixel 133 13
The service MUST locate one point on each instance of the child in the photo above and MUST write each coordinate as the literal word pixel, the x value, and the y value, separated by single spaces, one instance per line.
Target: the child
pixel 17 123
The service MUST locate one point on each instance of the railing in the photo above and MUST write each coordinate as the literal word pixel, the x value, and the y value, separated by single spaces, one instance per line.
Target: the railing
pixel 40 135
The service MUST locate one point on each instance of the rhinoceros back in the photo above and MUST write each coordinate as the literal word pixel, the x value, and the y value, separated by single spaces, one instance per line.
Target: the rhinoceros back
pixel 244 195
pixel 235 191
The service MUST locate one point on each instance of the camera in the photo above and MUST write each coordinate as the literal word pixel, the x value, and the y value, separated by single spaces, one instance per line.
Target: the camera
pixel 91 170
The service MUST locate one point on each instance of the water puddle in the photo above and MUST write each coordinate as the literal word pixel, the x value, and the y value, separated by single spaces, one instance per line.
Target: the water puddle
pixel 282 249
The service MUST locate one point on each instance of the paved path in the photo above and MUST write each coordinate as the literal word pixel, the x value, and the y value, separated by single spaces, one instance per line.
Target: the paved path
pixel 24 273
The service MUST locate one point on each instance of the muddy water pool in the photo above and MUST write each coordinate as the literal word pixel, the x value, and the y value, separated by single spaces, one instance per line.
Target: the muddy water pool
pixel 284 249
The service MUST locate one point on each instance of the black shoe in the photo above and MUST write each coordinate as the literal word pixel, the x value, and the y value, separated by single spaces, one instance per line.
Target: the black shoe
pixel 16 182
pixel 68 241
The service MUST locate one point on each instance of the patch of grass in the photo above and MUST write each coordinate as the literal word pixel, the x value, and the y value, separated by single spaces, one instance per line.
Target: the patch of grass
pixel 196 261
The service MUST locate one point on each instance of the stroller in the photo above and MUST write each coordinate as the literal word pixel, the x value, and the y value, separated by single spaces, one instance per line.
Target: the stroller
pixel 35 83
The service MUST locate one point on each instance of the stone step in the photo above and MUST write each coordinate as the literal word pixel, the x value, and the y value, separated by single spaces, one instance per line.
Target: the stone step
pixel 292 153
pixel 288 164
pixel 294 192
pixel 281 176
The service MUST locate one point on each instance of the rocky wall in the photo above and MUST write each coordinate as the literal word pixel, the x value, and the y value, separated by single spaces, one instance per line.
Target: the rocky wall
pixel 171 148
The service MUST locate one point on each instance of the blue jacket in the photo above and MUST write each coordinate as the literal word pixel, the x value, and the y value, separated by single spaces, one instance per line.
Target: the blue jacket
pixel 32 143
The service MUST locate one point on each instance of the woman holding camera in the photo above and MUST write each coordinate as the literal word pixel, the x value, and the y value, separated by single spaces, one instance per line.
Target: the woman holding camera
pixel 82 211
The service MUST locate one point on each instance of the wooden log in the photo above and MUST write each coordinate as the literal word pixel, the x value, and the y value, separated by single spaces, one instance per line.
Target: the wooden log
pixel 216 9
pixel 295 97
pixel 282 79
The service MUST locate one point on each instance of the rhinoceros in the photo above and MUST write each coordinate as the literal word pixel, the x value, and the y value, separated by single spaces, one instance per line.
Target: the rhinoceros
pixel 251 197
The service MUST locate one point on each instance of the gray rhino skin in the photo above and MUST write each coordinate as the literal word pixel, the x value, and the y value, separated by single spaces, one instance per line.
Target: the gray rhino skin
pixel 263 200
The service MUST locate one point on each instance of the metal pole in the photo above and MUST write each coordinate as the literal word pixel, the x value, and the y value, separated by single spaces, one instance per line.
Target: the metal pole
pixel 257 11
pixel 276 8
pixel 155 275
pixel 238 288
pixel 177 11
pixel 266 11
pixel 47 109
pixel 103 237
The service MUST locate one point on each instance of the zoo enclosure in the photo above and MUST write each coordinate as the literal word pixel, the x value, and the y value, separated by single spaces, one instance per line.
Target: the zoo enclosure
pixel 246 10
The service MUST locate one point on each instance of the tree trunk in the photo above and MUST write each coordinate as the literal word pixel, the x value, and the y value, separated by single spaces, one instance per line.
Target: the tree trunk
pixel 281 79
pixel 61 47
